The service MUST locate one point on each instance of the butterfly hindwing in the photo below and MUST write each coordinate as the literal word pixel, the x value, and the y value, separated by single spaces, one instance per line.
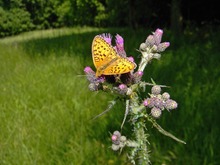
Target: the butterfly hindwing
pixel 120 66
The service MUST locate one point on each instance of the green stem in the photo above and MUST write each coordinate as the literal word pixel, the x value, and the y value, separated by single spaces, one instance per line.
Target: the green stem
pixel 140 152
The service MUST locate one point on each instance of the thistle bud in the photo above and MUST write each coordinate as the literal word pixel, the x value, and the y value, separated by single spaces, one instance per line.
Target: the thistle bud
pixel 165 96
pixel 146 102
pixel 93 87
pixel 143 46
pixel 150 40
pixel 137 76
pixel 158 36
pixel 115 147
pixel 123 139
pixel 157 56
pixel 156 89
pixel 170 104
pixel 156 112
pixel 122 88
pixel 161 47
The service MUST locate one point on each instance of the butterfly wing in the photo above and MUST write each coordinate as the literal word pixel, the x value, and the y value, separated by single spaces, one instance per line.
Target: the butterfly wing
pixel 102 52
pixel 120 66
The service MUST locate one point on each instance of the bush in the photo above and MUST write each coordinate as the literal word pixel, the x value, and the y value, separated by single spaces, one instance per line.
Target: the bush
pixel 14 21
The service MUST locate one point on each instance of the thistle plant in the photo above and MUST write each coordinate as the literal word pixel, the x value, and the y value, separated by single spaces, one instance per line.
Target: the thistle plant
pixel 115 74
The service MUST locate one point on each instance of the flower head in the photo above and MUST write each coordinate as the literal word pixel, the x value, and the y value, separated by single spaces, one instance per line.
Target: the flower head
pixel 107 37
pixel 120 45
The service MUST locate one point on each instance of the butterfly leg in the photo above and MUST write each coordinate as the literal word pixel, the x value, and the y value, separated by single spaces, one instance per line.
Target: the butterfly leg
pixel 126 113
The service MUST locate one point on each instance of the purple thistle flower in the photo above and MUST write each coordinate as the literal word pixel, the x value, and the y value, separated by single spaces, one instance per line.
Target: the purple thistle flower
pixel 107 37
pixel 90 74
pixel 120 45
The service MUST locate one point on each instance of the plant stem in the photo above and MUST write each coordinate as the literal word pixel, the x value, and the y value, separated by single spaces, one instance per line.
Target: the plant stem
pixel 141 151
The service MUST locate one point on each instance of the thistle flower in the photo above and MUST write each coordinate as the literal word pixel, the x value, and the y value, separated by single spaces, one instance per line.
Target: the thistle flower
pixel 137 76
pixel 122 89
pixel 107 37
pixel 153 44
pixel 120 45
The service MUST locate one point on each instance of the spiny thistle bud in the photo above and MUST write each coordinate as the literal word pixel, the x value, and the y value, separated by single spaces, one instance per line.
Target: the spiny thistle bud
pixel 161 47
pixel 146 102
pixel 123 139
pixel 156 112
pixel 93 87
pixel 156 89
pixel 116 137
pixel 170 104
pixel 150 41
pixel 157 56
pixel 90 74
pixel 137 76
pixel 157 102
pixel 158 36
pixel 115 147
pixel 143 46
pixel 122 88
pixel 165 96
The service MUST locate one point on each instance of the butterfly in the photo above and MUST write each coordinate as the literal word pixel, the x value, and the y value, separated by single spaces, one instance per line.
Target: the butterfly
pixel 106 59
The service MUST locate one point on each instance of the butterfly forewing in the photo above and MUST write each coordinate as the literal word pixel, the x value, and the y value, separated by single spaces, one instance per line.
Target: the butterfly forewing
pixel 102 52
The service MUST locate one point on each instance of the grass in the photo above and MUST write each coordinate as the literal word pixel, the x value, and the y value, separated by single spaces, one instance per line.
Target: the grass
pixel 46 107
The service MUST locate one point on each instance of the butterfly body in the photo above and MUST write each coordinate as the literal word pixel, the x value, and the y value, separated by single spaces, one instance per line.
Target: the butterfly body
pixel 106 59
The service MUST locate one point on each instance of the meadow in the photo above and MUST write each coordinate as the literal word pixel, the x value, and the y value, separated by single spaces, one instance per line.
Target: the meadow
pixel 46 107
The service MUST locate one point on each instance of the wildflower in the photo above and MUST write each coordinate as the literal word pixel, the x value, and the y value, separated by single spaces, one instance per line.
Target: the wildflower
pixel 122 88
pixel 120 45
pixel 107 37
pixel 146 102
pixel 93 87
pixel 150 41
pixel 115 147
pixel 170 104
pixel 165 96
pixel 156 112
pixel 137 76
pixel 161 47
pixel 156 89
pixel 158 36
pixel 116 138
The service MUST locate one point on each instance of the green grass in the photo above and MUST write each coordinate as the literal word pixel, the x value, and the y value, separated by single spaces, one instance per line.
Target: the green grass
pixel 46 107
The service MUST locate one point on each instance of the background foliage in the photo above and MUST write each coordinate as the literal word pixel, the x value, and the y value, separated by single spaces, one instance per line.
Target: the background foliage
pixel 24 15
